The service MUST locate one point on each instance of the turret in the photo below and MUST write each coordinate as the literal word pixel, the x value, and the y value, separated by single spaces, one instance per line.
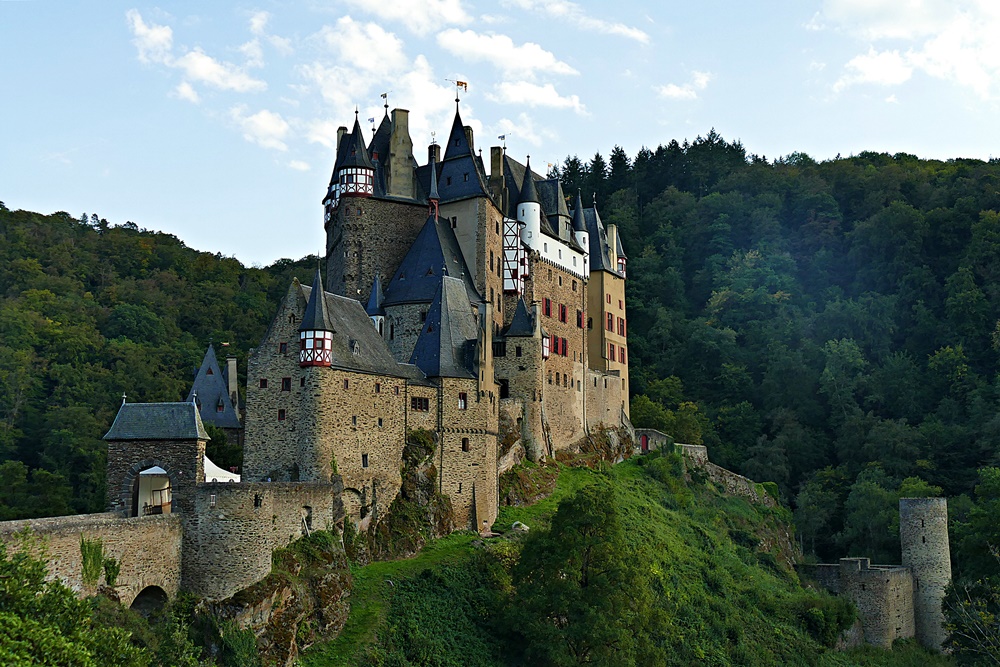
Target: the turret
pixel 316 331
pixel 923 534
pixel 580 233
pixel 529 210
pixel 374 308
pixel 353 173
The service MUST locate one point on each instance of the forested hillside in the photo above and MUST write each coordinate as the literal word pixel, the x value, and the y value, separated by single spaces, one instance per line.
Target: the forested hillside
pixel 831 327
pixel 89 311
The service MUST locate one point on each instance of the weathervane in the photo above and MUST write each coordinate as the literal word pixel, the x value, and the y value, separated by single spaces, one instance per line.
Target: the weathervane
pixel 464 85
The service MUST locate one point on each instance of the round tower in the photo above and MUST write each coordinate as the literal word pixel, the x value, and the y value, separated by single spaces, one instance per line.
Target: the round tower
pixel 923 534
pixel 529 211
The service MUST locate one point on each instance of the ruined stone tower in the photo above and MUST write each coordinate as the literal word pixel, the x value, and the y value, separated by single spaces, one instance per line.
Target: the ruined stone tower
pixel 923 533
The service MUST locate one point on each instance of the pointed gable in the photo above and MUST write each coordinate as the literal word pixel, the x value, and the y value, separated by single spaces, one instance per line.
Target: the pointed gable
pixel 522 325
pixel 375 299
pixel 600 258
pixel 434 254
pixel 213 394
pixel 458 141
pixel 447 342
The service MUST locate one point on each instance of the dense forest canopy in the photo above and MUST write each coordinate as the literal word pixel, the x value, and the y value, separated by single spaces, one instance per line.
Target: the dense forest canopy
pixel 828 326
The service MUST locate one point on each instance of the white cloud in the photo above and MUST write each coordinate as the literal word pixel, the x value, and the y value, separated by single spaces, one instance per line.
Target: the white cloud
pixel 153 41
pixel 199 66
pixel 534 95
pixel 886 68
pixel 891 100
pixel 688 91
pixel 299 165
pixel 576 15
pixel 501 52
pixel 253 52
pixel 364 46
pixel 952 40
pixel 523 129
pixel 419 16
pixel 155 45
pixel 258 22
pixel 266 128
pixel 184 91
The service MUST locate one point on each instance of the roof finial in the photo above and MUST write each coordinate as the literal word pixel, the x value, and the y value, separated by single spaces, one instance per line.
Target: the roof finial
pixel 385 97
pixel 123 398
pixel 194 397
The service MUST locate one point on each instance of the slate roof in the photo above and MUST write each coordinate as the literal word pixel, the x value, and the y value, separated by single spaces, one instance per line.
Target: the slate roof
pixel 446 346
pixel 528 192
pixel 157 421
pixel 521 326
pixel 618 247
pixel 600 259
pixel 458 141
pixel 434 253
pixel 433 191
pixel 212 386
pixel 354 152
pixel 376 298
pixel 351 325
pixel 378 151
pixel 316 317
pixel 579 222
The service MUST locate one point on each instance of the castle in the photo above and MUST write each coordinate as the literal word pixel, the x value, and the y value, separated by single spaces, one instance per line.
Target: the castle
pixel 455 301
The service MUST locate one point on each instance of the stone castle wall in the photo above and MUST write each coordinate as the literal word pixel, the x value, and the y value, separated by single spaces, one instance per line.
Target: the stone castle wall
pixel 148 549
pixel 366 237
pixel 229 539
pixel 604 398
pixel 523 374
pixel 883 595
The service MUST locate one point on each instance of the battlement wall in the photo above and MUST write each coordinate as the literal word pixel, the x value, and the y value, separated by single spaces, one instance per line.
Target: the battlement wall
pixel 696 457
pixel 148 549
pixel 883 595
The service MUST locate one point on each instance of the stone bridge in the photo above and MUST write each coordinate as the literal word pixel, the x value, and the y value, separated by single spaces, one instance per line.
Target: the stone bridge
pixel 148 549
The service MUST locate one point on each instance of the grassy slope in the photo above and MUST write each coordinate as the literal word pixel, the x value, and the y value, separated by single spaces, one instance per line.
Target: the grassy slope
pixel 728 603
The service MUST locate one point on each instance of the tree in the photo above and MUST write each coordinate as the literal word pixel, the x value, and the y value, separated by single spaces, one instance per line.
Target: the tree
pixel 580 596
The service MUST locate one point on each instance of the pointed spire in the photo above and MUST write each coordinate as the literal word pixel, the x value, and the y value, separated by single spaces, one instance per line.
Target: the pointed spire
pixel 316 318
pixel 521 325
pixel 375 299
pixel 433 198
pixel 529 194
pixel 355 153
pixel 579 223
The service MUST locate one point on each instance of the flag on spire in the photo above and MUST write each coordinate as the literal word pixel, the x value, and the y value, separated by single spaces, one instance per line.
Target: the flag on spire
pixel 463 85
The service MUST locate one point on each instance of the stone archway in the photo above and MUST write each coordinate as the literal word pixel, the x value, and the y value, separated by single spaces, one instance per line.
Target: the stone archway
pixel 128 497
pixel 150 599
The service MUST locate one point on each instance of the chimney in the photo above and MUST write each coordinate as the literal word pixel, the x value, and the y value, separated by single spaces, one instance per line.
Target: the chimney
pixel 434 153
pixel 613 245
pixel 232 381
pixel 341 131
pixel 399 181
pixel 468 137
pixel 496 175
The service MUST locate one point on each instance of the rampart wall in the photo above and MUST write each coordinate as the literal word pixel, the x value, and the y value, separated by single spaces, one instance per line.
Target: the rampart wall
pixel 148 549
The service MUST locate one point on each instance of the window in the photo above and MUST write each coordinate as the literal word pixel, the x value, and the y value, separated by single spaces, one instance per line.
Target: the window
pixel 545 248
pixel 560 280
pixel 547 307
pixel 395 390
pixel 392 331
pixel 282 348
pixel 609 297
pixel 220 407
pixel 463 401
pixel 465 445
pixel 574 282
pixel 454 220
pixel 423 315
pixel 621 326
pixel 210 372
pixel 579 319
pixel 465 178
pixel 420 404
pixel 611 351
pixel 517 351
pixel 212 500
pixel 281 415
pixel 448 180
pixel 621 304
pixel 611 322
pixel 380 422
pixel 378 388
pixel 302 382
pixel 621 354
pixel 364 460
pixel 562 312
pixel 286 384
pixel 346 384
pixel 459 487
pixel 263 383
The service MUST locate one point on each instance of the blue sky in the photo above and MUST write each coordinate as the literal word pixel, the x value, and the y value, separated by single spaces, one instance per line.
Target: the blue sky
pixel 216 121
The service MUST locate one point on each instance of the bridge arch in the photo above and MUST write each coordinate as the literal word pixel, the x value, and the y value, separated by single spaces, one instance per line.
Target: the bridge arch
pixel 150 599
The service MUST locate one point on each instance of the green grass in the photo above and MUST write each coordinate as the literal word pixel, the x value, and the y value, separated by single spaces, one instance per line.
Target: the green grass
pixel 371 594
pixel 570 480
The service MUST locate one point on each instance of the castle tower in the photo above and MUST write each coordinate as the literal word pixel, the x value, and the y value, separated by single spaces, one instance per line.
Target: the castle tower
pixel 353 173
pixel 316 331
pixel 529 210
pixel 923 534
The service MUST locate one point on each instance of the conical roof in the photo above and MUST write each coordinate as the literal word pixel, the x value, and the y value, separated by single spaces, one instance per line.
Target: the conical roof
pixel 521 325
pixel 433 195
pixel 458 141
pixel 528 191
pixel 434 253
pixel 579 221
pixel 376 298
pixel 316 318
pixel 353 152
